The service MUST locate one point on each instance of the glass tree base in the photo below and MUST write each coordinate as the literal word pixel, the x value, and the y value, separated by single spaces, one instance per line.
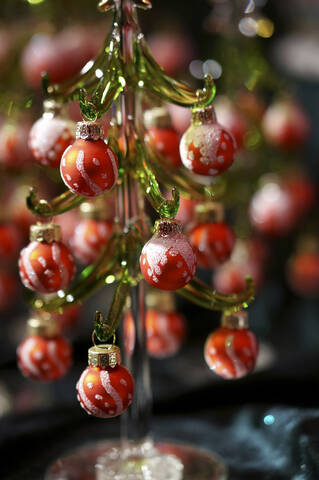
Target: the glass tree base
pixel 110 460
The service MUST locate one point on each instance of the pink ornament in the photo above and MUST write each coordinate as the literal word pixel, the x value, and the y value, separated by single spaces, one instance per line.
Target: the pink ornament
pixel 206 147
pixel 230 118
pixel 167 260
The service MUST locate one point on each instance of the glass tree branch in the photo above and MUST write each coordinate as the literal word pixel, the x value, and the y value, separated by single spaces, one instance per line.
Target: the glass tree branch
pixel 90 279
pixel 181 179
pixel 60 204
pixel 156 80
pixel 147 180
pixel 201 294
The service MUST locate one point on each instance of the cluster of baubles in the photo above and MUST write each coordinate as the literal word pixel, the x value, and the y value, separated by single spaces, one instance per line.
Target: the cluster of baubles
pixel 44 355
pixel 231 350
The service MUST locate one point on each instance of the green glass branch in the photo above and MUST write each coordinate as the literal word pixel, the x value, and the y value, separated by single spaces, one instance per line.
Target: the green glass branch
pixel 153 78
pixel 106 329
pixel 147 180
pixel 90 279
pixel 201 294
pixel 60 204
pixel 181 178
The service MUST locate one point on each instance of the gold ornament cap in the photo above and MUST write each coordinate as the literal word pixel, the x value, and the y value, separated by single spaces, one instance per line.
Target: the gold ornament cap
pixel 157 117
pixel 45 232
pixel 45 327
pixel 97 210
pixel 167 228
pixel 212 212
pixel 89 131
pixel 204 115
pixel 235 321
pixel 105 355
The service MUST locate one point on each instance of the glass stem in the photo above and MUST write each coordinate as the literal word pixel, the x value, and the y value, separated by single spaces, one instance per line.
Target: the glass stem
pixel 135 423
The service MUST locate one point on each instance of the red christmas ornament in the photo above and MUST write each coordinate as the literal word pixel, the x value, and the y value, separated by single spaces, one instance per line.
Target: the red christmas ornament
pixel 166 140
pixel 212 242
pixel 165 332
pixel 206 147
pixel 231 351
pixel 186 210
pixel 286 125
pixel 172 50
pixel 302 192
pixel 89 167
pixel 272 210
pixel 50 136
pixel 231 276
pixel 62 55
pixel 105 388
pixel 168 261
pixel 231 118
pixel 10 241
pixel 14 153
pixel 46 264
pixel 46 356
pixel 303 274
pixel 89 239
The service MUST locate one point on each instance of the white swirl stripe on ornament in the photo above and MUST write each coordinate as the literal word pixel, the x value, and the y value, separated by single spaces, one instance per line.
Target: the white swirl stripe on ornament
pixel 114 164
pixel 80 167
pixel 106 382
pixel 24 353
pixel 53 356
pixel 89 406
pixel 56 256
pixel 27 264
pixel 240 368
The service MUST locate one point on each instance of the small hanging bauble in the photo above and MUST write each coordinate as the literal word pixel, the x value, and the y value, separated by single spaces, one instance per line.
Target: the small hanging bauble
pixel 10 242
pixel 89 167
pixel 303 273
pixel 285 125
pixel 164 136
pixel 272 210
pixel 230 277
pixel 14 152
pixel 50 136
pixel 231 351
pixel 105 388
pixel 92 232
pixel 46 264
pixel 212 239
pixel 44 355
pixel 165 327
pixel 206 147
pixel 168 261
pixel 231 118
pixel 302 191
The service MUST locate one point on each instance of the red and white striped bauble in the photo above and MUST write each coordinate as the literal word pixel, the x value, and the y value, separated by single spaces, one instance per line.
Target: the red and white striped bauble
pixel 168 261
pixel 44 359
pixel 46 267
pixel 165 332
pixel 89 167
pixel 231 352
pixel 89 239
pixel 105 392
pixel 212 242
pixel 48 139
pixel 207 148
